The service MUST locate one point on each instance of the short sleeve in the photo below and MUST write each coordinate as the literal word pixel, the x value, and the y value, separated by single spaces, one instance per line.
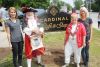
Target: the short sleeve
pixel 7 24
pixel 83 30
pixel 90 21
pixel 27 31
pixel 79 20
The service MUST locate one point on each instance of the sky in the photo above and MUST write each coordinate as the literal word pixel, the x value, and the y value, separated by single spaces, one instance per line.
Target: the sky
pixel 71 2
pixel 67 1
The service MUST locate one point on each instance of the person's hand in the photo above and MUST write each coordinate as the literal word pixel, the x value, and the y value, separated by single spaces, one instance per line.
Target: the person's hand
pixel 84 44
pixel 36 30
pixel 10 46
pixel 89 41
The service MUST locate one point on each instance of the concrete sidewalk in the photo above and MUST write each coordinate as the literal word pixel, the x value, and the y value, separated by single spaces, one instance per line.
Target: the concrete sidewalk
pixel 94 16
pixel 3 39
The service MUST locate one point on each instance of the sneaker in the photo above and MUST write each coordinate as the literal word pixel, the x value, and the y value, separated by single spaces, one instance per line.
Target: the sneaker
pixel 20 66
pixel 78 65
pixel 41 64
pixel 86 65
pixel 66 65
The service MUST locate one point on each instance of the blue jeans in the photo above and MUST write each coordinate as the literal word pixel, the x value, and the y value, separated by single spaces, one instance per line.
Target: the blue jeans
pixel 85 51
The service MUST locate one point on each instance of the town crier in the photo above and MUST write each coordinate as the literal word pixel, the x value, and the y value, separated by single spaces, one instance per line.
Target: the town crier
pixel 33 37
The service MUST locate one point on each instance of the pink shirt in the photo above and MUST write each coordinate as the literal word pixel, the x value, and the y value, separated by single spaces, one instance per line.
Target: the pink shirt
pixel 81 32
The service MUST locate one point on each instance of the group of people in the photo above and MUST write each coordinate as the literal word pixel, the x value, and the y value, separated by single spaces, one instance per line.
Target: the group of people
pixel 78 38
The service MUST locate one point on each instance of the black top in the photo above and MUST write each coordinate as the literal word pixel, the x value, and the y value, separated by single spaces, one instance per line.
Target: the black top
pixel 87 24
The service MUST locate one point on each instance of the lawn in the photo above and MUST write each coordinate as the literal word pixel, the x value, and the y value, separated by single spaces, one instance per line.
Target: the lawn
pixel 54 56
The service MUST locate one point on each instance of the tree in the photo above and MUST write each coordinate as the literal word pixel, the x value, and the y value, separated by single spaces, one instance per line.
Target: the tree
pixel 78 3
pixel 96 5
pixel 61 3
pixel 7 3
pixel 39 4
pixel 33 3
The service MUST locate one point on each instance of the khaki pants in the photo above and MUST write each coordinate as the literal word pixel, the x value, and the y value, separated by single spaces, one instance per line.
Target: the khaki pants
pixel 70 48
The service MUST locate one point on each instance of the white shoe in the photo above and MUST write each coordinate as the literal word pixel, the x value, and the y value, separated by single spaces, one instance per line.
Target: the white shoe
pixel 78 65
pixel 65 65
pixel 20 66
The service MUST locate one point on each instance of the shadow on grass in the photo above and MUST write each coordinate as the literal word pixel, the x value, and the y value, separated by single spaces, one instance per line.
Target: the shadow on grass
pixel 59 59
pixel 9 63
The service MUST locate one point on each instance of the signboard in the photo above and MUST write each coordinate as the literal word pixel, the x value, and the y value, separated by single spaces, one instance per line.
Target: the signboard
pixel 56 20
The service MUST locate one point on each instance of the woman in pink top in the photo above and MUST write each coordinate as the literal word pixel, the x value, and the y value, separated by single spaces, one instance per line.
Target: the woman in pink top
pixel 74 40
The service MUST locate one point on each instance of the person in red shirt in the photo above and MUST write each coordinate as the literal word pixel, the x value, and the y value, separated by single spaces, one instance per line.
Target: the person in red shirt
pixel 74 40
pixel 33 37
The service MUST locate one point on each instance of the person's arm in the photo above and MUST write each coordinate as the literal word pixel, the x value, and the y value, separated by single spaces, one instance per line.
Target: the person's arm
pixel 66 35
pixel 7 30
pixel 83 34
pixel 41 31
pixel 8 35
pixel 99 16
pixel 84 38
pixel 91 30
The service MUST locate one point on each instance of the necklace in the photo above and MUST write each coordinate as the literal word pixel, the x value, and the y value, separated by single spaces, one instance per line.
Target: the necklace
pixel 13 20
pixel 73 31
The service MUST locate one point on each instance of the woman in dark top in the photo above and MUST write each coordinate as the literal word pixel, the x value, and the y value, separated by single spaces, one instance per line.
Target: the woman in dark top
pixel 87 22
pixel 13 29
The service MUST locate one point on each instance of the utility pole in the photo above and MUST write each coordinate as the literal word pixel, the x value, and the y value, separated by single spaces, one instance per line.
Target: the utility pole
pixel 89 7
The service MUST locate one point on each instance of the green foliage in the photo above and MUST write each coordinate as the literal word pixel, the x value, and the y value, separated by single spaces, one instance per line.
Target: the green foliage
pixel 33 3
pixel 78 3
pixel 0 1
pixel 8 3
pixel 69 7
pixel 61 3
pixel 42 4
pixel 96 6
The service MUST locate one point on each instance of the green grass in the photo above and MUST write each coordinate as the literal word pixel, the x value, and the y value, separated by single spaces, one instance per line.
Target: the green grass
pixel 95 49
pixel 56 40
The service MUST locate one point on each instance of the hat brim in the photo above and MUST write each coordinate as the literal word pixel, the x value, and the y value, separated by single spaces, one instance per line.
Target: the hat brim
pixel 30 10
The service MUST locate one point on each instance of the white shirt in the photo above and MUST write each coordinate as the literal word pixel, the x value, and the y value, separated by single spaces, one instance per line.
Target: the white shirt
pixel 32 25
pixel 73 28
pixel 72 31
pixel 99 17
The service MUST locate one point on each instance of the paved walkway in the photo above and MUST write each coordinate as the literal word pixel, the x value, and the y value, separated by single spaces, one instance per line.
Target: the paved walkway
pixel 94 17
pixel 3 39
